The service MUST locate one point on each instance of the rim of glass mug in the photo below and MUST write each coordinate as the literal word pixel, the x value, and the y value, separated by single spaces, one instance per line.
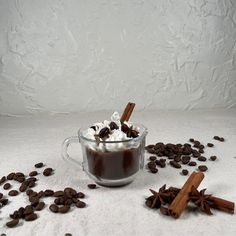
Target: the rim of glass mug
pixel 143 132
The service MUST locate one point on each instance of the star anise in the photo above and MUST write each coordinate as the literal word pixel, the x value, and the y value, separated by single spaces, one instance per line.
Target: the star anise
pixel 201 200
pixel 130 132
pixel 158 198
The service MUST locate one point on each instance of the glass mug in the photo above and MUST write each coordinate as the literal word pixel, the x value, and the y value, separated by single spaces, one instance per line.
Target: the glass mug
pixel 109 163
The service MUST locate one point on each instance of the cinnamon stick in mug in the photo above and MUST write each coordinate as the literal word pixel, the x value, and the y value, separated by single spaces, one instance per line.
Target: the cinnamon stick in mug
pixel 127 112
pixel 181 200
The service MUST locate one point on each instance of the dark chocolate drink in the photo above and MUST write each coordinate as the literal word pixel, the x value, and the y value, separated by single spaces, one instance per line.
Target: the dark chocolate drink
pixel 113 165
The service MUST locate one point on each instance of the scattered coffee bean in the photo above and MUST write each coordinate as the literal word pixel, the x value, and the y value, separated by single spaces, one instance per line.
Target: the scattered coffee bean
pixel 92 186
pixel 154 170
pixel 175 164
pixel 41 194
pixel 33 173
pixel 177 158
pixel 7 186
pixel 23 187
pixel 2 180
pixel 58 194
pixel 40 206
pixel 12 223
pixel 185 159
pixel 39 165
pixel 48 193
pixel 202 158
pixel 28 210
pixel 104 132
pixel 152 158
pixel 13 193
pixel 152 164
pixel 201 151
pixel 11 176
pixel 64 209
pixel 203 168
pixel 216 137
pixel 54 208
pixel 80 204
pixel 213 158
pixel 210 144
pixel 68 201
pixel 80 195
pixel 3 235
pixel 192 163
pixel 31 184
pixel 184 172
pixel 47 172
pixel 29 192
pixel 3 201
pixel 70 192
pixel 221 139
pixel 191 140
pixel 1 195
pixel 31 217
pixel 68 234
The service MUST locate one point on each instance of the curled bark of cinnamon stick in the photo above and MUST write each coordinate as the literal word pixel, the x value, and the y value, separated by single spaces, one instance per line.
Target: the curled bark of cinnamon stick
pixel 181 200
pixel 217 203
pixel 127 112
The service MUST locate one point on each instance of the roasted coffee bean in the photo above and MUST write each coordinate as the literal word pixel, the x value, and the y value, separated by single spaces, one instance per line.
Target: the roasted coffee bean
pixel 177 158
pixel 3 235
pixel 2 180
pixel 154 170
pixel 191 140
pixel 20 179
pixel 7 186
pixel 203 168
pixel 210 144
pixel 41 194
pixel 15 215
pixel 164 210
pixel 33 173
pixel 70 192
pixel 213 158
pixel 1 195
pixel 201 151
pixel 196 142
pixel 68 201
pixel 29 192
pixel 11 176
pixel 64 209
pixel 162 160
pixel 57 201
pixel 192 163
pixel 75 200
pixel 216 138
pixel 31 179
pixel 31 217
pixel 184 172
pixel 54 208
pixel 175 164
pixel 221 139
pixel 21 212
pixel 48 193
pixel 80 195
pixel 12 223
pixel 31 184
pixel 34 201
pixel 80 204
pixel 195 153
pixel 58 194
pixel 152 158
pixel 113 126
pixel 92 186
pixel 47 172
pixel 201 146
pixel 3 201
pixel 13 193
pixel 39 165
pixel 28 210
pixel 152 164
pixel 104 132
pixel 40 206
pixel 68 234
pixel 185 159
pixel 202 158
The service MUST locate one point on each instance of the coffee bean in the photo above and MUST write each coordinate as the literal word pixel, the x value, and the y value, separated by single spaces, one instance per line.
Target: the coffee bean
pixel 68 234
pixel 184 172
pixel 202 158
pixel 203 168
pixel 104 132
pixel 185 159
pixel 3 201
pixel 210 144
pixel 64 209
pixel 221 139
pixel 216 137
pixel 201 151
pixel 58 194
pixel 54 208
pixel 154 170
pixel 12 223
pixel 213 158
pixel 175 164
pixel 68 201
pixel 28 210
pixel 39 165
pixel 191 140
pixel 113 126
pixel 80 204
pixel 15 215
pixel 70 192
pixel 2 180
pixel 48 193
pixel 29 192
pixel 47 172
pixel 152 164
pixel 164 210
pixel 201 146
pixel 3 235
pixel 92 186
pixel 80 195
pixel 40 206
pixel 31 184
pixel 195 153
pixel 13 193
pixel 177 158
pixel 34 201
pixel 33 173
pixel 20 179
pixel 75 200
pixel 31 217
pixel 11 176
pixel 152 158
pixel 1 195
pixel 57 201
pixel 192 163
pixel 7 186
pixel 21 212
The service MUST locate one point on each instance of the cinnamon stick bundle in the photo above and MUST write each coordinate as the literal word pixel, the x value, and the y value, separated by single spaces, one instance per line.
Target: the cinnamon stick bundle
pixel 181 200
pixel 127 112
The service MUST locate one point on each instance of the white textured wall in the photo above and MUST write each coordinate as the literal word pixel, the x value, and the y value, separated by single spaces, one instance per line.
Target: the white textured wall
pixel 73 55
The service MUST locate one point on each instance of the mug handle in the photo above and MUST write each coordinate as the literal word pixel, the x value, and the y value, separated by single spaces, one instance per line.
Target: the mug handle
pixel 64 153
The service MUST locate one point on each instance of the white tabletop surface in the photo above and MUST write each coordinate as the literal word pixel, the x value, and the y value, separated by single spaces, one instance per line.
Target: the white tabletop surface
pixel 25 141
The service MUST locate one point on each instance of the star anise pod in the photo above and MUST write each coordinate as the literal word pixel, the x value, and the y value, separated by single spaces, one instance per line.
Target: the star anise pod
pixel 201 200
pixel 158 198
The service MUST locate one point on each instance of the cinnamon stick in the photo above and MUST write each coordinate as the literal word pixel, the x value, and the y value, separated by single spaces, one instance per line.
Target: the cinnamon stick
pixel 217 203
pixel 181 200
pixel 127 112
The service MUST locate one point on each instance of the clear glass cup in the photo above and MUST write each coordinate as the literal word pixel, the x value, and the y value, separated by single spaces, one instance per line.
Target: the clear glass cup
pixel 109 163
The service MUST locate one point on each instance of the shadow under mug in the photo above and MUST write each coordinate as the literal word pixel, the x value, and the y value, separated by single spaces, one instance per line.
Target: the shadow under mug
pixel 109 163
